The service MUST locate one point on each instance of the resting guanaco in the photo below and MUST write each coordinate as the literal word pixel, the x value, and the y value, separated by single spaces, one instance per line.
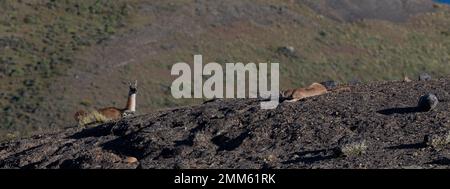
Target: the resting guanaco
pixel 315 89
pixel 113 113
pixel 79 115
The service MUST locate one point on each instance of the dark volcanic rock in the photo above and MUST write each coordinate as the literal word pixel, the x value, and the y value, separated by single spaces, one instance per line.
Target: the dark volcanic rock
pixel 424 77
pixel 287 51
pixel 428 102
pixel 239 134
pixel 330 84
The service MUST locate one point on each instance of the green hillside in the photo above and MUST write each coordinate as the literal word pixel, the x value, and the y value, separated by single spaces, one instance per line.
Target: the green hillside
pixel 38 40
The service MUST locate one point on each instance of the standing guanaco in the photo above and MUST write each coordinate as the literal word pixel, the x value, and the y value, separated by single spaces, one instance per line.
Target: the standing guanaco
pixel 113 113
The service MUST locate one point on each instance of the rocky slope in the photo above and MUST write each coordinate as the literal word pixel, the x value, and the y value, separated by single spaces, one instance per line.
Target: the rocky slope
pixel 319 132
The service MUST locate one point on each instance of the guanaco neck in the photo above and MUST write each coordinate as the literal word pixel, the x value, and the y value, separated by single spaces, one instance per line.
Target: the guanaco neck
pixel 131 103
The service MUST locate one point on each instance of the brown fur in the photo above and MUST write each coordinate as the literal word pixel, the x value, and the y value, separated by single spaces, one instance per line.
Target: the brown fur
pixel 314 89
pixel 301 93
pixel 406 79
pixel 111 113
pixel 79 115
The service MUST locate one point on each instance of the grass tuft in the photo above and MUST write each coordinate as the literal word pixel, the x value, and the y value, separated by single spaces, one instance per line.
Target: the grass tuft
pixel 354 149
pixel 438 141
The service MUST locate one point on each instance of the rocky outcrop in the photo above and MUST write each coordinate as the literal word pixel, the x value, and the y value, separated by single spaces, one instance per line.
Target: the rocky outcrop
pixel 318 132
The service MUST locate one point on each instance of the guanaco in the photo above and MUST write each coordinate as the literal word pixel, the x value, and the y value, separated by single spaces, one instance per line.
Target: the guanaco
pixel 113 113
pixel 315 89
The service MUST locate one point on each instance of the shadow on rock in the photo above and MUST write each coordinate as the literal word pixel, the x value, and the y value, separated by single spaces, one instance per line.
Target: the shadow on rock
pixel 124 146
pixel 406 110
pixel 443 161
pixel 99 131
pixel 228 144
pixel 408 146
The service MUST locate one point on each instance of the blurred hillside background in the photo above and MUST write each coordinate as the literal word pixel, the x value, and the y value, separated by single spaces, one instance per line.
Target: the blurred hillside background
pixel 59 56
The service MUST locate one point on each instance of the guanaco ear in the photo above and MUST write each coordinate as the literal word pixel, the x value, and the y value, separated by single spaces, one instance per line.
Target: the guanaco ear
pixel 283 93
pixel 135 83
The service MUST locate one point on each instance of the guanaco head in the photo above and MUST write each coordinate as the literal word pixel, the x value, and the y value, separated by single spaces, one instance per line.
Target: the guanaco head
pixel 79 115
pixel 133 87
pixel 286 94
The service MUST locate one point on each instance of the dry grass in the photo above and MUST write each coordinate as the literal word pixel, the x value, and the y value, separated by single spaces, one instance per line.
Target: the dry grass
pixel 93 117
pixel 354 149
pixel 438 141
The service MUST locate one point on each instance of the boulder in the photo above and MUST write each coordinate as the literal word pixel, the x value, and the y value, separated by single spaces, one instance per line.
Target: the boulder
pixel 427 102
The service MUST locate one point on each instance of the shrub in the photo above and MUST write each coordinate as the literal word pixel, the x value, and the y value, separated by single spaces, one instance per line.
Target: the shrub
pixel 354 149
pixel 437 141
